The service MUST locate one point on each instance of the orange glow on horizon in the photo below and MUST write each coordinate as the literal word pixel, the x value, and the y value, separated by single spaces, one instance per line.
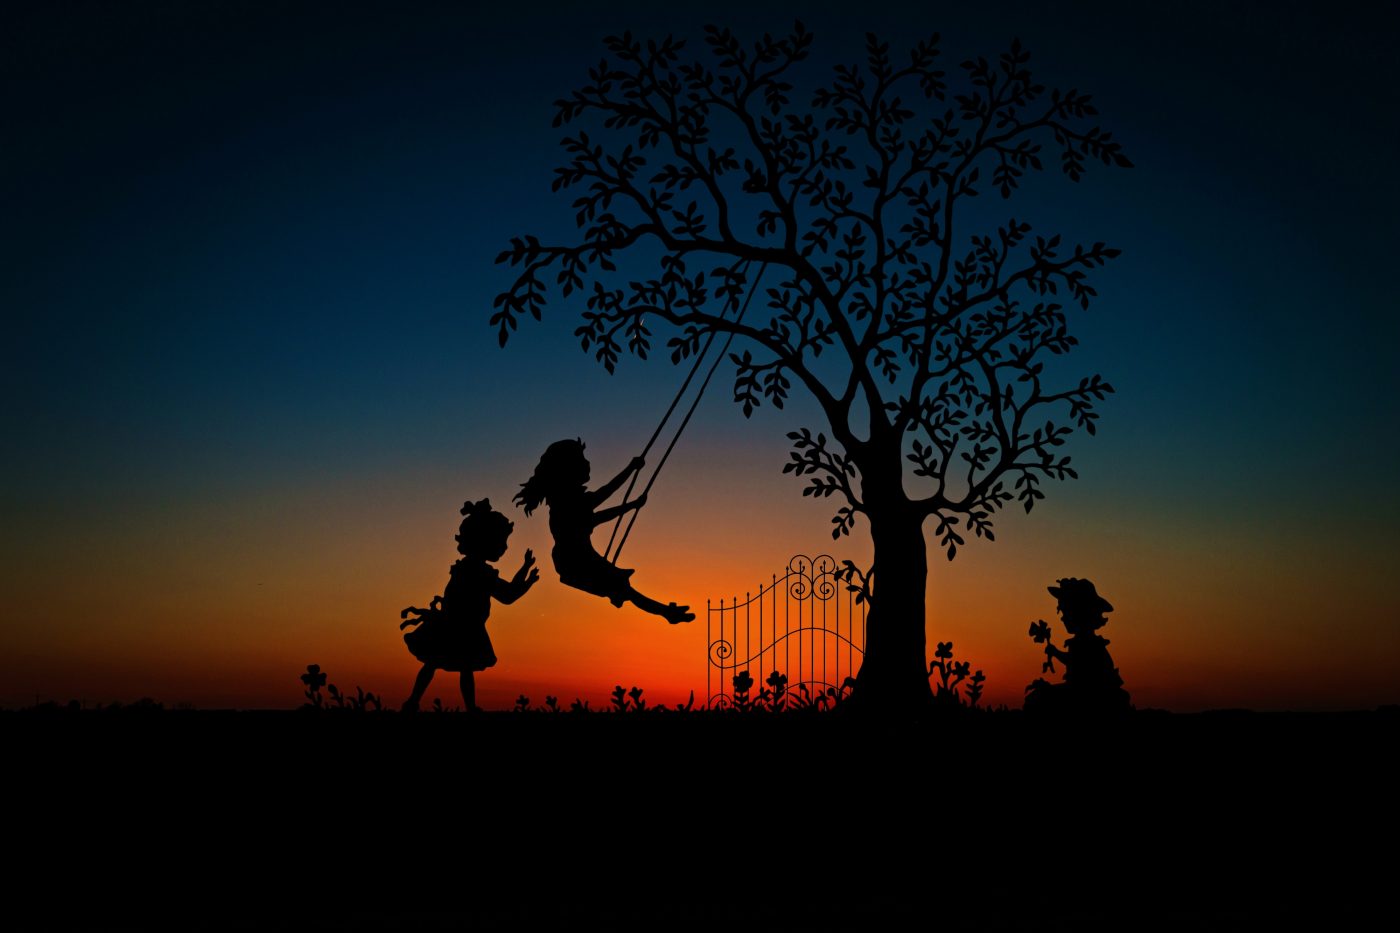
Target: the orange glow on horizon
pixel 223 604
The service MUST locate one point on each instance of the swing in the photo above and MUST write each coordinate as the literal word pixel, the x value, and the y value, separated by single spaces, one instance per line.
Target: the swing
pixel 699 359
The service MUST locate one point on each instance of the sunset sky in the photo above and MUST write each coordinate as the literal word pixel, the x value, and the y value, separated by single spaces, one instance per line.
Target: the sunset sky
pixel 249 380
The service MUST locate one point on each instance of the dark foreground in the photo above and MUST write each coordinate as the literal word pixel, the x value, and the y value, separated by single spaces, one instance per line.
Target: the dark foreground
pixel 332 821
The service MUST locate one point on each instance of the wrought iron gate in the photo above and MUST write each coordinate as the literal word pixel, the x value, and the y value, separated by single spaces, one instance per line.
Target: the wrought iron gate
pixel 804 625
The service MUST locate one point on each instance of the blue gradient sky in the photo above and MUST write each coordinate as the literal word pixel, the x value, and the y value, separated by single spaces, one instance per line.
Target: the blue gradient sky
pixel 248 266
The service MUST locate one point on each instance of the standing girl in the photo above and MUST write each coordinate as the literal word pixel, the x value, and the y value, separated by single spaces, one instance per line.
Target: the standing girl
pixel 452 634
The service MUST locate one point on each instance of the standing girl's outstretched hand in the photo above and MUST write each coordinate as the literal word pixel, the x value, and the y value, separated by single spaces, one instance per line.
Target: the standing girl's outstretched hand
pixel 528 574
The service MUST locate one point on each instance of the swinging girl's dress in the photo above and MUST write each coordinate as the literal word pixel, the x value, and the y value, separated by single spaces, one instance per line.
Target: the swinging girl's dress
pixel 453 638
pixel 577 563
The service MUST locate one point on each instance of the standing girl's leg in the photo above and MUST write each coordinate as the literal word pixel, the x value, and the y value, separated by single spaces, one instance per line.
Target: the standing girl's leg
pixel 420 685
pixel 469 691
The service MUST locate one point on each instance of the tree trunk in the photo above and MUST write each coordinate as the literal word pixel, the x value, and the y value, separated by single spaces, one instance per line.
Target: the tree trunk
pixel 893 677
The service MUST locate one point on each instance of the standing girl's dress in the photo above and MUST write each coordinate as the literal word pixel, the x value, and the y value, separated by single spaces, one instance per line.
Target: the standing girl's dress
pixel 454 638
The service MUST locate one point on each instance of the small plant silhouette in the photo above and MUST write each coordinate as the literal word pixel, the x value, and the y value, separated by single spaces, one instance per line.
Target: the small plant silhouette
pixel 774 696
pixel 838 695
pixel 803 700
pixel 315 680
pixel 743 683
pixel 974 690
pixel 951 674
pixel 624 701
pixel 361 702
pixel 777 697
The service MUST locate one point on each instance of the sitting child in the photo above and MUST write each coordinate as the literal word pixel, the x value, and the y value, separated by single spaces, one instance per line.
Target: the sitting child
pixel 1091 682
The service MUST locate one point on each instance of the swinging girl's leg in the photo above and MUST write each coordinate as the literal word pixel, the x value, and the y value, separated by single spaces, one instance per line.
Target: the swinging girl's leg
pixel 468 691
pixel 420 685
pixel 668 611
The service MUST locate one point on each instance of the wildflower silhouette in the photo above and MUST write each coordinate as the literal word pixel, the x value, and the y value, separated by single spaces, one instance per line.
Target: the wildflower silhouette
pixel 1040 633
pixel 776 693
pixel 743 683
pixel 314 680
pixel 951 674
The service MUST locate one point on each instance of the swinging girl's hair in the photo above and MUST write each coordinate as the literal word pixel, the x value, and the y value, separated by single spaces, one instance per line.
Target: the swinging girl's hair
pixel 537 488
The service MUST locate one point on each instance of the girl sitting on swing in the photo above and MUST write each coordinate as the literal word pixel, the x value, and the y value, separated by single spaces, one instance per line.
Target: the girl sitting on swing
pixel 560 481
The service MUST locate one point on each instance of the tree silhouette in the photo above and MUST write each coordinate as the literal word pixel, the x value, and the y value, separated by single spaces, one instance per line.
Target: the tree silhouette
pixel 922 339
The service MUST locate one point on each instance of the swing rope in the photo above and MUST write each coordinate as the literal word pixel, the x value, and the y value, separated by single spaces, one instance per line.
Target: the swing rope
pixel 685 421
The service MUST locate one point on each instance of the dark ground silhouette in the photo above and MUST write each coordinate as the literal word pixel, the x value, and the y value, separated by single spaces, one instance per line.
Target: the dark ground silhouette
pixel 312 820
